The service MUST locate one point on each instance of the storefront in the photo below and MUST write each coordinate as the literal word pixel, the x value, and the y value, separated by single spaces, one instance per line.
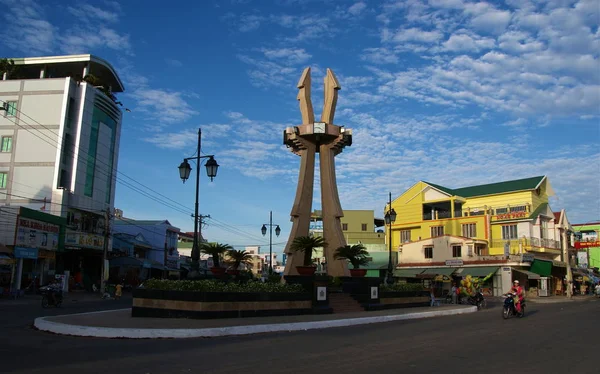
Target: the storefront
pixel 82 258
pixel 37 239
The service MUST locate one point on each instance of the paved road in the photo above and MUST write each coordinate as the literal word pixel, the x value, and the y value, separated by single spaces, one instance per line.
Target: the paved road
pixel 553 338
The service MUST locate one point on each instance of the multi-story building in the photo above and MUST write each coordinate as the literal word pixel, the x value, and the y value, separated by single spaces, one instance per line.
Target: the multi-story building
pixel 587 245
pixel 59 153
pixel 504 228
pixel 162 255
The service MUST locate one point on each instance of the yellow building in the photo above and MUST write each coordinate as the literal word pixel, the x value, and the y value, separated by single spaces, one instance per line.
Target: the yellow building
pixel 476 230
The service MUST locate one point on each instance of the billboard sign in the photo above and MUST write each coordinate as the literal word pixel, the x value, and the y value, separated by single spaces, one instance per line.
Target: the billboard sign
pixel 32 233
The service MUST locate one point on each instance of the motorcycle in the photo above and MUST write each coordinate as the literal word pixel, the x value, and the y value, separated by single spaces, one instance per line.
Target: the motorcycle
pixel 510 309
pixel 51 296
pixel 478 300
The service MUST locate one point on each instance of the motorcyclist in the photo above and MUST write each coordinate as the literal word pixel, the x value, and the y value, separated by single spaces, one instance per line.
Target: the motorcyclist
pixel 54 288
pixel 518 291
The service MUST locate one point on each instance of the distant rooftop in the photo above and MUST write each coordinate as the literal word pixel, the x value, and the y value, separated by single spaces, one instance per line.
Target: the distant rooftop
pixel 493 188
pixel 69 66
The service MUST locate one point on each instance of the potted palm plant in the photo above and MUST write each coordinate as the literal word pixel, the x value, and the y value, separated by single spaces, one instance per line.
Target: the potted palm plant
pixel 357 255
pixel 307 245
pixel 235 258
pixel 215 250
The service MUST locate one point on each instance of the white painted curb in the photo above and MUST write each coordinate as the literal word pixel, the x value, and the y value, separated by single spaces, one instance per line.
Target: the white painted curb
pixel 131 333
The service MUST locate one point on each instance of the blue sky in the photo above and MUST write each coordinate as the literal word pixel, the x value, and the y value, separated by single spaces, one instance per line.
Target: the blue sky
pixel 454 92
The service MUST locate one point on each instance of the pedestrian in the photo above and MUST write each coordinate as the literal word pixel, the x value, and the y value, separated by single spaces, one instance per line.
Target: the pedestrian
pixel 118 291
pixel 454 293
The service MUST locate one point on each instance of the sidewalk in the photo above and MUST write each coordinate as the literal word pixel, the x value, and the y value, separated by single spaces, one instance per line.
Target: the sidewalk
pixel 120 324
pixel 68 297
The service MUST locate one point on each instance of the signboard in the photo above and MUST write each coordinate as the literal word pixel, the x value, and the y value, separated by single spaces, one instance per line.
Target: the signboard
pixel 582 259
pixel 527 257
pixel 454 262
pixel 32 233
pixel 84 240
pixel 507 216
pixel 579 245
pixel 28 253
pixel 173 262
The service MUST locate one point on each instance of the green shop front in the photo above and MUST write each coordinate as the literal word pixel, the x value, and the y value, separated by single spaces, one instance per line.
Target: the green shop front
pixel 38 237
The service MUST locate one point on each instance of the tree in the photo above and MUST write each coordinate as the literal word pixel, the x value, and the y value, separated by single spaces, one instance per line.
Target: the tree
pixel 356 254
pixel 238 257
pixel 307 244
pixel 7 66
pixel 215 250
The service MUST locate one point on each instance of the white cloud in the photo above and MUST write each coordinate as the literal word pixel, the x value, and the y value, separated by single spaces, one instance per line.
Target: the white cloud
pixel 494 21
pixel 417 35
pixel 26 28
pixel 357 8
pixel 173 62
pixel 467 43
pixel 379 56
pixel 89 12
pixel 290 56
pixel 163 105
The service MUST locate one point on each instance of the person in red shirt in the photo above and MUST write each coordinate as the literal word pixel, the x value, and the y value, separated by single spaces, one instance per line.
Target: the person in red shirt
pixel 517 289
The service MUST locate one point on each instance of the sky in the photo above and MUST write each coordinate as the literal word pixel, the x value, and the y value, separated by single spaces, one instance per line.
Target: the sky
pixel 453 92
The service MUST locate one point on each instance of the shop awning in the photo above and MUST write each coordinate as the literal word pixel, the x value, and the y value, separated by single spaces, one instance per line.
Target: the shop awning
pixel 482 271
pixel 439 271
pixel 125 262
pixel 529 274
pixel 541 267
pixel 408 273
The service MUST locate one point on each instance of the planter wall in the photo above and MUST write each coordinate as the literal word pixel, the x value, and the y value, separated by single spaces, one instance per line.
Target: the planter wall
pixel 404 299
pixel 191 304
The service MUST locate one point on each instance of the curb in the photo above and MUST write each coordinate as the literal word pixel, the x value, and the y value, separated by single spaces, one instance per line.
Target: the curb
pixel 41 323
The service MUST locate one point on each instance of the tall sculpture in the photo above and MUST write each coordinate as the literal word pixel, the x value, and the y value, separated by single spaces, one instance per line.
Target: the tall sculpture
pixel 305 141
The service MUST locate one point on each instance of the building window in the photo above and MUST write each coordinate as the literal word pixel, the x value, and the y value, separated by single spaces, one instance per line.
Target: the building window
pixel 501 210
pixel 456 251
pixel 3 178
pixel 469 230
pixel 364 227
pixel 6 144
pixel 11 108
pixel 345 226
pixel 405 236
pixel 543 229
pixel 520 208
pixel 509 232
pixel 437 231
pixel 428 252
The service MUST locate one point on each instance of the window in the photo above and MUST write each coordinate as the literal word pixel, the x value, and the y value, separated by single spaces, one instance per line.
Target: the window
pixel 501 210
pixel 469 230
pixel 428 252
pixel 6 144
pixel 405 236
pixel 437 231
pixel 509 232
pixel 364 227
pixel 520 208
pixel 3 178
pixel 11 108
pixel 543 229
pixel 345 226
pixel 456 251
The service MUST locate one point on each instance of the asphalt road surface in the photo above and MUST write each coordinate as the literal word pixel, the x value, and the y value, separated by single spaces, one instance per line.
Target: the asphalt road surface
pixel 552 338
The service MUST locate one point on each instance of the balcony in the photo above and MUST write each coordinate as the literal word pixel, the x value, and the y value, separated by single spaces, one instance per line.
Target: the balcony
pixel 526 244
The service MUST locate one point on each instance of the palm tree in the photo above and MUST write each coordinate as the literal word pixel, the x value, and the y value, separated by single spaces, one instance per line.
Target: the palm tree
pixel 356 254
pixel 215 250
pixel 238 257
pixel 307 244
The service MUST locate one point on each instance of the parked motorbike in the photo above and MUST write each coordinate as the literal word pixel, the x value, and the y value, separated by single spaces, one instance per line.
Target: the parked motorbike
pixel 478 300
pixel 510 309
pixel 51 296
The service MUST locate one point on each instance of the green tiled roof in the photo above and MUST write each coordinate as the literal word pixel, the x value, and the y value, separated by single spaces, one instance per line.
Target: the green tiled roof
pixel 542 207
pixel 493 188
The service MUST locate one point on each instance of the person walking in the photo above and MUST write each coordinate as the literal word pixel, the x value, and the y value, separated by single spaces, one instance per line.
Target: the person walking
pixel 454 293
pixel 118 291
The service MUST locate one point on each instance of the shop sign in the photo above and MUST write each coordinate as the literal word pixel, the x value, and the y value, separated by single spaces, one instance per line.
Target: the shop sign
pixel 527 257
pixel 582 259
pixel 579 245
pixel 26 253
pixel 173 262
pixel 32 233
pixel 512 215
pixel 454 262
pixel 84 240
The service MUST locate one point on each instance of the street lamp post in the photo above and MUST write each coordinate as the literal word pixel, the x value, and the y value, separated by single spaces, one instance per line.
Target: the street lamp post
pixel 390 217
pixel 184 174
pixel 264 232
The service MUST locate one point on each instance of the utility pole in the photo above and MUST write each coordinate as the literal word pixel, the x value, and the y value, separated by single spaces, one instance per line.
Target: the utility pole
pixel 565 248
pixel 103 278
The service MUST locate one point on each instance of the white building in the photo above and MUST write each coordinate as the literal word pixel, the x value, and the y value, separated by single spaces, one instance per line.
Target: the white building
pixel 60 145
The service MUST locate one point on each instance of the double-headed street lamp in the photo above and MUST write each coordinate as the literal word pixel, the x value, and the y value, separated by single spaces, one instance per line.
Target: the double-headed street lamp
pixel 184 173
pixel 390 217
pixel 264 232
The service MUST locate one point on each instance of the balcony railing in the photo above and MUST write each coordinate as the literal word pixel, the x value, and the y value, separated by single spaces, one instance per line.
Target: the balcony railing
pixel 526 242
